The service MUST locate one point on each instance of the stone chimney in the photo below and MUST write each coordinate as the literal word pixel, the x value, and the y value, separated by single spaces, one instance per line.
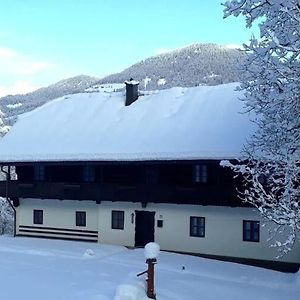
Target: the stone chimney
pixel 132 91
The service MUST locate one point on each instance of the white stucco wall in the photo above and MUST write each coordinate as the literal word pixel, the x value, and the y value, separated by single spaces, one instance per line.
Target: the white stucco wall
pixel 57 214
pixel 223 226
pixel 116 236
pixel 223 230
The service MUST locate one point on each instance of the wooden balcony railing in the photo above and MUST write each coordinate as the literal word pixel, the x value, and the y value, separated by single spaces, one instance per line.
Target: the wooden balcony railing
pixel 203 194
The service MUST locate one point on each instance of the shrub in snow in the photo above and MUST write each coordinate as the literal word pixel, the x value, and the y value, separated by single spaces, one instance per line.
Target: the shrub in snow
pixel 271 84
pixel 152 250
pixel 89 253
pixel 6 217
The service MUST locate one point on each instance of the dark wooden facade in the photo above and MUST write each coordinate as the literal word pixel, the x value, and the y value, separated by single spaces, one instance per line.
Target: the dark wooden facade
pixel 155 181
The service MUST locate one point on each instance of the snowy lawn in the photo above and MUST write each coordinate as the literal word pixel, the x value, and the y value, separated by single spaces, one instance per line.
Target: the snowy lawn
pixel 49 269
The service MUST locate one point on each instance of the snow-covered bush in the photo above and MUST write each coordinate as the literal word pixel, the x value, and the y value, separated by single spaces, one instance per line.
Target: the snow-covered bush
pixel 271 84
pixel 6 217
pixel 89 253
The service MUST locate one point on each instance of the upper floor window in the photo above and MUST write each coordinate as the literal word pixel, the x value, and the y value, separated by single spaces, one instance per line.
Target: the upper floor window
pixel 88 173
pixel 197 226
pixel 250 231
pixel 200 173
pixel 80 218
pixel 151 174
pixel 38 216
pixel 39 172
pixel 117 219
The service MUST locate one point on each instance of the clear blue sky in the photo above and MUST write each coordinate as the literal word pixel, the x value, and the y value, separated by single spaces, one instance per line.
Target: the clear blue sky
pixel 42 41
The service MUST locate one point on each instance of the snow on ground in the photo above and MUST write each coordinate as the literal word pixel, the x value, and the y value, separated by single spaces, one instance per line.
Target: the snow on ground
pixel 49 269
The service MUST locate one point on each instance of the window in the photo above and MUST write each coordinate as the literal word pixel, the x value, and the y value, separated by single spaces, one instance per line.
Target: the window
pixel 197 226
pixel 160 223
pixel 151 174
pixel 37 216
pixel 117 219
pixel 88 173
pixel 200 173
pixel 80 218
pixel 39 173
pixel 251 231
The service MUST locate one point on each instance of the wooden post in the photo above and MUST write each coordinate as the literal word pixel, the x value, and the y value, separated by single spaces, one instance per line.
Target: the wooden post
pixel 150 281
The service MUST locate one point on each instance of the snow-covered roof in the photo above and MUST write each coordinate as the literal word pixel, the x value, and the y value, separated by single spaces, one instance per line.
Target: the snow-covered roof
pixel 180 123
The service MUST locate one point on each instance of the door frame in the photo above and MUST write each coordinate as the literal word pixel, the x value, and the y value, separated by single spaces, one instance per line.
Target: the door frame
pixel 135 230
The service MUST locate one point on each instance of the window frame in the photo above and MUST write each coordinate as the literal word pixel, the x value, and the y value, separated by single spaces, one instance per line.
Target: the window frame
pixel 200 226
pixel 151 175
pixel 39 173
pixel 117 219
pixel 80 218
pixel 200 173
pixel 38 217
pixel 160 223
pixel 252 231
pixel 88 174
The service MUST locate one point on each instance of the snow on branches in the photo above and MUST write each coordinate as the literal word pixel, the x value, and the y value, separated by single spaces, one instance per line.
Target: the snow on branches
pixel 6 217
pixel 271 85
pixel 3 128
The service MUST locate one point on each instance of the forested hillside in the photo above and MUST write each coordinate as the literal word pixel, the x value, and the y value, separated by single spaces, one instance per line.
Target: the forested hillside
pixel 198 64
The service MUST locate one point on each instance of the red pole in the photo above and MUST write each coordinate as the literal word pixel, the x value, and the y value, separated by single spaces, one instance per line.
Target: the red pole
pixel 150 280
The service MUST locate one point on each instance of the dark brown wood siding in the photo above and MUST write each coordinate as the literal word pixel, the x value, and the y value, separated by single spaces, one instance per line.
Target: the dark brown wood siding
pixel 159 182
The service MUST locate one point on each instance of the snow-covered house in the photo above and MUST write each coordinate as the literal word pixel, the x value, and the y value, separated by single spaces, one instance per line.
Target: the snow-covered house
pixel 91 168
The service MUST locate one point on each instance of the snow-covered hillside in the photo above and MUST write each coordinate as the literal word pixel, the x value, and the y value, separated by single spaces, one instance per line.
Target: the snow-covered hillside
pixel 47 269
pixel 198 64
pixel 18 104
pixel 179 123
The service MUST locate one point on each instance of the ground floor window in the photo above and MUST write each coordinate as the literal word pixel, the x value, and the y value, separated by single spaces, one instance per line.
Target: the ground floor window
pixel 80 218
pixel 197 226
pixel 117 219
pixel 37 216
pixel 250 231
